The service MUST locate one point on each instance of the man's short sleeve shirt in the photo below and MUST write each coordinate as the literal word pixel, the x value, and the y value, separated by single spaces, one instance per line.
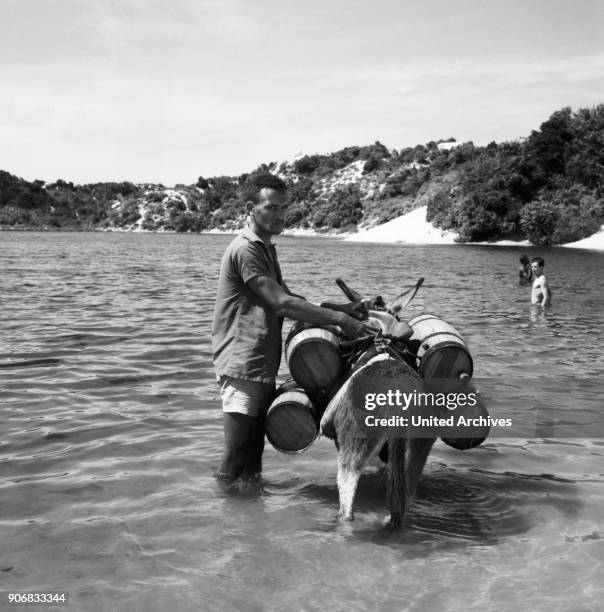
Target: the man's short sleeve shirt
pixel 246 333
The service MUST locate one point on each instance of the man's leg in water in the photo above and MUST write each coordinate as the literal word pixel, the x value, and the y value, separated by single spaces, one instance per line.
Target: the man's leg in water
pixel 241 455
pixel 244 405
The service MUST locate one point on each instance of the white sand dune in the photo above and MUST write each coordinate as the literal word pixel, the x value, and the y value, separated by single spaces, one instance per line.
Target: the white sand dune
pixel 411 228
pixel 595 241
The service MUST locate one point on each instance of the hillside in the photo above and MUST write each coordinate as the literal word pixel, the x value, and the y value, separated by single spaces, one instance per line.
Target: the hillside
pixel 548 187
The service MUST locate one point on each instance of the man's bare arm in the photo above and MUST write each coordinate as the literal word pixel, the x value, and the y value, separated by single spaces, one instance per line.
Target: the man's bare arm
pixel 293 307
pixel 290 292
pixel 546 292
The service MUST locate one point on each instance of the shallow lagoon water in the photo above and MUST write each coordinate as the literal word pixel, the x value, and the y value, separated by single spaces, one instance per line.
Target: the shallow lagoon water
pixel 110 430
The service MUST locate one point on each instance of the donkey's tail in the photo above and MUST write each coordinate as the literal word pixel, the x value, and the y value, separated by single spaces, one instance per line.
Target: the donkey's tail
pixel 397 481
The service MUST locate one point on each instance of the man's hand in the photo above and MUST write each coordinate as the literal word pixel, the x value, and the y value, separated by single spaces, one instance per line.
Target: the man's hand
pixel 356 310
pixel 352 327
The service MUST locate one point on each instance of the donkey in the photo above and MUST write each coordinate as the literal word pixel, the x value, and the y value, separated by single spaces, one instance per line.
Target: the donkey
pixel 343 421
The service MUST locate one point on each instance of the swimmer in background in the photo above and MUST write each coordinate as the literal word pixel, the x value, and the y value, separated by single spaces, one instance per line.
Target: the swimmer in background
pixel 540 293
pixel 525 274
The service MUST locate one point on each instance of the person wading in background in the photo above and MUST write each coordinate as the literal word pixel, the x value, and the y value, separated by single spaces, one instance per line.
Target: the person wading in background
pixel 525 273
pixel 540 293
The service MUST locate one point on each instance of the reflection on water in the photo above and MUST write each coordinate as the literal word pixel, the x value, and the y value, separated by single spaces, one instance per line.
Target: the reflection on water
pixel 110 430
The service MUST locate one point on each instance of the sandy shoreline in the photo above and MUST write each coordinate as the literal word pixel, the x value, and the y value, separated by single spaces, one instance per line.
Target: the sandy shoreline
pixel 411 228
pixel 595 241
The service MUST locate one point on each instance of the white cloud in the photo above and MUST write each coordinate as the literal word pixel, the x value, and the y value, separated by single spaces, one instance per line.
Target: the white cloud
pixel 167 90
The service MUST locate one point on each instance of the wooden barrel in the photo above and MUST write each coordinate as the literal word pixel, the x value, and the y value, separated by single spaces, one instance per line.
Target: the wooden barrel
pixel 290 425
pixel 313 357
pixel 469 436
pixel 443 356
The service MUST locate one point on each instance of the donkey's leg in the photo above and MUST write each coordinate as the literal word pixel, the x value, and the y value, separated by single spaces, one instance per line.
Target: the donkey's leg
pixel 348 478
pixel 416 455
pixel 354 453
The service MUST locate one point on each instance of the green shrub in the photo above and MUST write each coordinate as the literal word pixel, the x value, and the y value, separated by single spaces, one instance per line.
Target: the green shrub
pixel 296 213
pixel 565 215
pixel 345 207
pixel 538 221
pixel 307 164
pixel 372 163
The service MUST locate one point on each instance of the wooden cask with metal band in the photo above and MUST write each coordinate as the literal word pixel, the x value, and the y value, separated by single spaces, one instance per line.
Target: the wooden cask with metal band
pixel 472 431
pixel 443 356
pixel 290 424
pixel 313 356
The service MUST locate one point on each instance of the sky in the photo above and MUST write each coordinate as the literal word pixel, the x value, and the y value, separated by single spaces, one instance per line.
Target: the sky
pixel 167 91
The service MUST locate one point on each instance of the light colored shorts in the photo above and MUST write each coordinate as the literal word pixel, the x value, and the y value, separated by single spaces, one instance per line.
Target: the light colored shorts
pixel 245 396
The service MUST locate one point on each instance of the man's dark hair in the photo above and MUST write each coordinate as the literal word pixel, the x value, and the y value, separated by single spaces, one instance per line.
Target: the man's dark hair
pixel 538 260
pixel 524 259
pixel 265 181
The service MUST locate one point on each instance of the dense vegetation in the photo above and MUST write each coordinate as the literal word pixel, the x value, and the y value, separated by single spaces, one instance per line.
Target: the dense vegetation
pixel 548 188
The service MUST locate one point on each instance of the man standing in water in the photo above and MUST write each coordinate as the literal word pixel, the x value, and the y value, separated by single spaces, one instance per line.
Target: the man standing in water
pixel 540 293
pixel 251 302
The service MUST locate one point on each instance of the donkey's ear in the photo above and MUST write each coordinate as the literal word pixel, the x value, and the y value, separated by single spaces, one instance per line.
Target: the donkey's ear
pixel 351 294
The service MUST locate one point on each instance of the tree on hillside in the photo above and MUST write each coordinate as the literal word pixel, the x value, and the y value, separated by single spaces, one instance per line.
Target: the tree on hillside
pixel 372 163
pixel 307 164
pixel 585 157
pixel 22 202
pixel 344 207
pixel 549 146
pixel 346 156
pixel 302 190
